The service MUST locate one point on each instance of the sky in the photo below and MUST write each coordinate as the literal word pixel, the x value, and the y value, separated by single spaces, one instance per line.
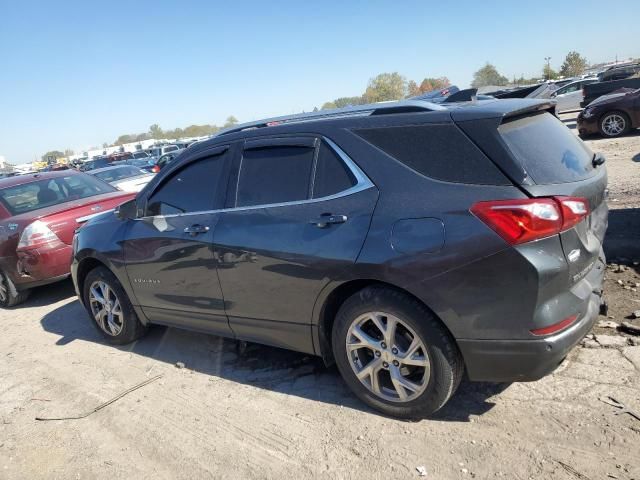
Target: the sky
pixel 79 73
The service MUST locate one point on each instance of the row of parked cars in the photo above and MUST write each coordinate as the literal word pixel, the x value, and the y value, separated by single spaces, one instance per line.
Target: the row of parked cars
pixel 403 241
pixel 611 99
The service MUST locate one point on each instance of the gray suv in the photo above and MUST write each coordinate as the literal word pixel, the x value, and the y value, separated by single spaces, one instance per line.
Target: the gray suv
pixel 407 242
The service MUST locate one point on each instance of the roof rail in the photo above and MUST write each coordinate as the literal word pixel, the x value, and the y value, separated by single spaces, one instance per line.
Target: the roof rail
pixel 382 108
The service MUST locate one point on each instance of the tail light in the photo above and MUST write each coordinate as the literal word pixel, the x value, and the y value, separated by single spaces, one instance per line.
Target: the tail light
pixel 155 169
pixel 37 234
pixel 520 221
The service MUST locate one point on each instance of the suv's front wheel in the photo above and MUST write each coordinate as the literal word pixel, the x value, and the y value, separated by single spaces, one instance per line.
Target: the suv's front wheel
pixel 394 354
pixel 108 304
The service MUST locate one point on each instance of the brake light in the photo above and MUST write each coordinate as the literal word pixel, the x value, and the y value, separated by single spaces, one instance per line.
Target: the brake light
pixel 520 221
pixel 574 210
pixel 555 327
pixel 37 234
pixel 155 169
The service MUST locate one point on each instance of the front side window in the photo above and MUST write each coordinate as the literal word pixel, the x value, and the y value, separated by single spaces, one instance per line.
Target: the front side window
pixel 274 174
pixel 196 187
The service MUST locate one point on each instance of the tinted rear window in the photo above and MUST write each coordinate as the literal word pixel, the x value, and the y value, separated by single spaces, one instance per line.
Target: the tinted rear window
pixel 274 175
pixel 45 193
pixel 439 151
pixel 548 151
pixel 332 175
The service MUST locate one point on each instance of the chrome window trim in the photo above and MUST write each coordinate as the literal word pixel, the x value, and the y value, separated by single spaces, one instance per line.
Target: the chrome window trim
pixel 362 183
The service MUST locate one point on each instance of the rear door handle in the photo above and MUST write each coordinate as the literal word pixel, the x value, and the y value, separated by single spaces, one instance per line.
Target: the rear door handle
pixel 325 220
pixel 194 230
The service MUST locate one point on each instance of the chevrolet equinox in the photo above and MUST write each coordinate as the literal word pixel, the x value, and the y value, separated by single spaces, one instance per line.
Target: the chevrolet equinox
pixel 407 242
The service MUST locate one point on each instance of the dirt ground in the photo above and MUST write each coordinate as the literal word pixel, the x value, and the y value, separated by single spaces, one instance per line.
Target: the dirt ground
pixel 270 413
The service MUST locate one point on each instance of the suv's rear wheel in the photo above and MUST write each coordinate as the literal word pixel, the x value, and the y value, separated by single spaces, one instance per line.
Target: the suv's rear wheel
pixel 110 308
pixel 394 354
pixel 614 124
pixel 9 295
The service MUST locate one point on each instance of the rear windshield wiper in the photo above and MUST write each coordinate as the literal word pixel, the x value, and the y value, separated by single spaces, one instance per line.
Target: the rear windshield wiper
pixel 597 160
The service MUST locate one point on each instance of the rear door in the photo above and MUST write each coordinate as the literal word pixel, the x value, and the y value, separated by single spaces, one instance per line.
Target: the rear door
pixel 558 163
pixel 298 218
pixel 168 252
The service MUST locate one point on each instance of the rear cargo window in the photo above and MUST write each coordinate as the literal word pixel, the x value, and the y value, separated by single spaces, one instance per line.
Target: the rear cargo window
pixel 548 151
pixel 437 151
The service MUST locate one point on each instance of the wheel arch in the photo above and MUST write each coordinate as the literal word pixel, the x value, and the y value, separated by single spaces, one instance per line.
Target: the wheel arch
pixel 330 302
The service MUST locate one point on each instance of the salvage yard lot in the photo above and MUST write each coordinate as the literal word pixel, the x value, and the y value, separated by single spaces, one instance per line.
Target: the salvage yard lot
pixel 270 413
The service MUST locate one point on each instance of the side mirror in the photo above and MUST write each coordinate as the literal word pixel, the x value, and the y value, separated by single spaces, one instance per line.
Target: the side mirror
pixel 127 210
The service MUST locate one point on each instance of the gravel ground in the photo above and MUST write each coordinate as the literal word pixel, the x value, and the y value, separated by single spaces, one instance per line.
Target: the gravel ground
pixel 270 413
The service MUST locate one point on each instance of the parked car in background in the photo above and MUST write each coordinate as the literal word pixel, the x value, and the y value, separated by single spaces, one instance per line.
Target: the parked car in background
pixel 611 115
pixel 39 214
pixel 165 160
pixel 619 73
pixel 95 162
pixel 570 96
pixel 405 241
pixel 159 151
pixel 593 91
pixel 124 177
pixel 146 164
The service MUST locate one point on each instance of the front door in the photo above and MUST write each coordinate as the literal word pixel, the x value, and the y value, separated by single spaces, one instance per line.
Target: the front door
pixel 302 211
pixel 168 250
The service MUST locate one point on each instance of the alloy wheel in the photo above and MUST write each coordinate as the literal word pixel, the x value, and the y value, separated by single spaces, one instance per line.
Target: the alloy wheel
pixel 106 308
pixel 388 357
pixel 4 291
pixel 613 124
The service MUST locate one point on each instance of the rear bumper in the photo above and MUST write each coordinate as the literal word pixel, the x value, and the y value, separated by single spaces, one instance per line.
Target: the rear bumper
pixel 531 359
pixel 35 267
pixel 524 360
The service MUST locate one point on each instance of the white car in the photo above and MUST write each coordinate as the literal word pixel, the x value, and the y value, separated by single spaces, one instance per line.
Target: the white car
pixel 124 177
pixel 569 96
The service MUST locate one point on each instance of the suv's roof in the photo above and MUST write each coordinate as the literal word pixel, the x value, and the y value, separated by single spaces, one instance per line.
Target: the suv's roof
pixel 23 179
pixel 468 110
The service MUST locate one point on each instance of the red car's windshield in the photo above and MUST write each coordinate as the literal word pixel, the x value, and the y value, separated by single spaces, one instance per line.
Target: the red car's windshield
pixel 51 191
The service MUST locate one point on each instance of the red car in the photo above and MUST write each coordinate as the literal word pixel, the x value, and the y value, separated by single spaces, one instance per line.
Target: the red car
pixel 39 214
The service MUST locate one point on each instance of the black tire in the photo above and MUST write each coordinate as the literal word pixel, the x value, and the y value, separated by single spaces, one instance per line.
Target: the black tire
pixel 607 132
pixel 9 295
pixel 131 327
pixel 446 364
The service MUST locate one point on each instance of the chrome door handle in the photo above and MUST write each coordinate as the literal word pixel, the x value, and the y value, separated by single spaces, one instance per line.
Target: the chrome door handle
pixel 194 230
pixel 324 221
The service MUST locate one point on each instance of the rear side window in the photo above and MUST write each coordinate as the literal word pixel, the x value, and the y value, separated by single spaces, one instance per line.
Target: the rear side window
pixel 46 193
pixel 195 188
pixel 439 151
pixel 547 150
pixel 274 175
pixel 332 175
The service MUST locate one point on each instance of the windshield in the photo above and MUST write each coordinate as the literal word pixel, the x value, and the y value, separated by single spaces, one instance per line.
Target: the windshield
pixel 45 193
pixel 115 174
pixel 547 150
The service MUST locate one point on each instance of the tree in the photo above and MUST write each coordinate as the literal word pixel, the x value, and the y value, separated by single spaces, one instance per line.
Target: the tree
pixel 429 84
pixel 52 153
pixel 328 106
pixel 347 101
pixel 384 87
pixel 413 89
pixel 574 65
pixel 488 75
pixel 155 131
pixel 231 121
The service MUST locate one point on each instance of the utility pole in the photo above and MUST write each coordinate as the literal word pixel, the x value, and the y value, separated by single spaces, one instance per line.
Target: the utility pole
pixel 548 72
